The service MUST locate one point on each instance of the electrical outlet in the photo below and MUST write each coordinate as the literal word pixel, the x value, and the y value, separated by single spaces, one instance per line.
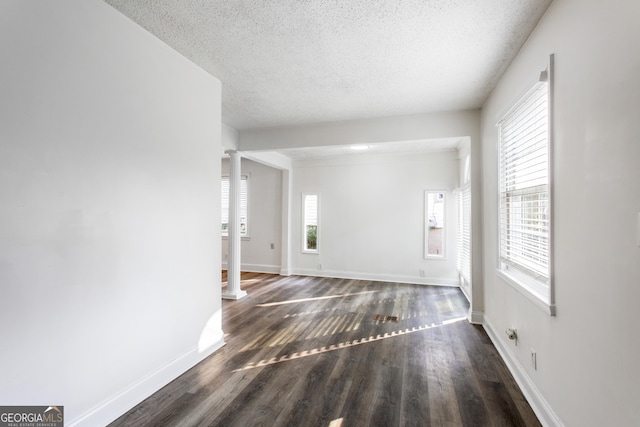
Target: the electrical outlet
pixel 319 266
pixel 422 273
pixel 534 360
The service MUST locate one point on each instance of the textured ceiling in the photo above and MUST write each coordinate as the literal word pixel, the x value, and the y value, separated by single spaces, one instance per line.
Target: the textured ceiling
pixel 286 62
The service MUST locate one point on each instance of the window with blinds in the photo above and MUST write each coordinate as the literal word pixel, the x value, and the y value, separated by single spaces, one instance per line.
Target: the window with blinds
pixel 463 248
pixel 310 223
pixel 524 218
pixel 224 191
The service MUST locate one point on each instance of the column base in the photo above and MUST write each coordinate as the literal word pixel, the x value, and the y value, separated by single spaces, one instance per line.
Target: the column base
pixel 235 296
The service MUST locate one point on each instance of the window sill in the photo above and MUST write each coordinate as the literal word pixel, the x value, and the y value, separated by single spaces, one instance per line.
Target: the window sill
pixel 243 238
pixel 537 299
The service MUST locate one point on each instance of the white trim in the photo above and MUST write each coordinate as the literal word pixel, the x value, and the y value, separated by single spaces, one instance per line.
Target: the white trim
pixel 435 281
pixel 540 406
pixel 242 238
pixel 285 272
pixel 552 187
pixel 115 406
pixel 537 300
pixel 476 317
pixel 256 268
pixel 239 294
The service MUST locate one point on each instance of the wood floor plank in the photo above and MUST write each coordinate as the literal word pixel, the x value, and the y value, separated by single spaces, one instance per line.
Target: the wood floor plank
pixel 415 410
pixel 443 404
pixel 305 351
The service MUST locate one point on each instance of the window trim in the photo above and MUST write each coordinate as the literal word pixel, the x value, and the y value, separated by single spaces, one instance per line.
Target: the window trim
pixel 303 230
pixel 246 177
pixel 542 295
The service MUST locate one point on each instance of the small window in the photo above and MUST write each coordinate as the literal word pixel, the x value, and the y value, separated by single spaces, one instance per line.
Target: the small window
pixel 224 190
pixel 310 223
pixel 435 226
pixel 525 198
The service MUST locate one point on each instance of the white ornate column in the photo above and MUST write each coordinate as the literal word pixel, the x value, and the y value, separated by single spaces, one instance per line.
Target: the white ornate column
pixel 233 262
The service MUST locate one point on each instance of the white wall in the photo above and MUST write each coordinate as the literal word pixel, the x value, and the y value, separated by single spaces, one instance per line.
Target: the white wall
pixel 588 355
pixel 364 131
pixel 109 210
pixel 371 216
pixel 387 129
pixel 265 219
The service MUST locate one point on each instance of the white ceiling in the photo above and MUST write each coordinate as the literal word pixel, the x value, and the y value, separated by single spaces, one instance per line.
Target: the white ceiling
pixel 288 62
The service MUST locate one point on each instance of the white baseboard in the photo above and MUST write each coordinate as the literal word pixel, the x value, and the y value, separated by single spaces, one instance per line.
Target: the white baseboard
pixel 285 272
pixel 275 269
pixel 542 409
pixel 121 402
pixel 437 281
pixel 256 268
pixel 476 317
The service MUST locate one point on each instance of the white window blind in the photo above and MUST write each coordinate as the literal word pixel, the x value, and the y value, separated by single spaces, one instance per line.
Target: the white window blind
pixel 524 185
pixel 224 191
pixel 463 258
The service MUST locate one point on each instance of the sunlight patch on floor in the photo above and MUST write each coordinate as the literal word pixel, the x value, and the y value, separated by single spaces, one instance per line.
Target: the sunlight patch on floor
pixel 347 344
pixel 295 301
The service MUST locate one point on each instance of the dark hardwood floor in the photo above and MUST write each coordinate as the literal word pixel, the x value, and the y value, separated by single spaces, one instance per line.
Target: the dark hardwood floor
pixel 305 351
